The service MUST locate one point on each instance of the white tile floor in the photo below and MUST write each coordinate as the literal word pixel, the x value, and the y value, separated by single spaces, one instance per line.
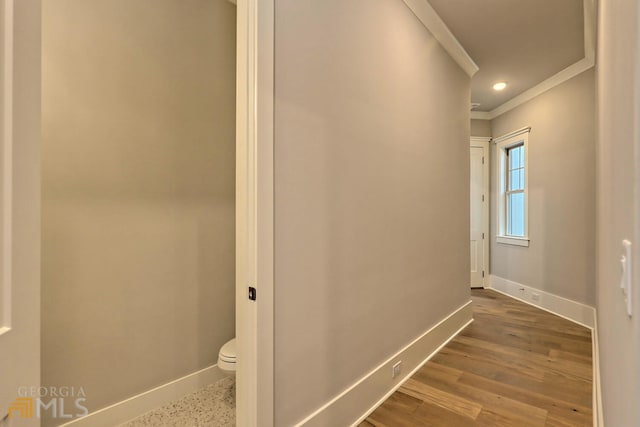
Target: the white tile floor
pixel 212 406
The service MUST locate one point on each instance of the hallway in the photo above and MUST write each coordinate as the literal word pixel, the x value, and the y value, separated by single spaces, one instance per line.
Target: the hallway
pixel 514 365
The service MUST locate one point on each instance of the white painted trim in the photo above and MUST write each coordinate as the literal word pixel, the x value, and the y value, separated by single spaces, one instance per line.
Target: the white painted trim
pixel 553 81
pixel 515 241
pixel 487 283
pixel 255 212
pixel 598 420
pixel 432 21
pixel 574 311
pixel 480 140
pixel 264 145
pixel 590 27
pixel 142 403
pixel 483 142
pixel 6 169
pixel 502 144
pixel 511 135
pixel 354 404
pixel 480 115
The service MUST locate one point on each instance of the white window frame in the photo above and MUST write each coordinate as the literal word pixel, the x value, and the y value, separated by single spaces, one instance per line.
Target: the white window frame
pixel 502 144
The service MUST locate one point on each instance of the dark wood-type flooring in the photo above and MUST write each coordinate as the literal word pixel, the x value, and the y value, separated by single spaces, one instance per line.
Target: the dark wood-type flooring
pixel 515 365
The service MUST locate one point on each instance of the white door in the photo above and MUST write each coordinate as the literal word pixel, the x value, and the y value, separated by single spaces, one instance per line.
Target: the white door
pixel 478 200
pixel 19 206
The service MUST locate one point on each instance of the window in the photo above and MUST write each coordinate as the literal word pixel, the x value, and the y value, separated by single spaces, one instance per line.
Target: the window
pixel 513 182
pixel 515 191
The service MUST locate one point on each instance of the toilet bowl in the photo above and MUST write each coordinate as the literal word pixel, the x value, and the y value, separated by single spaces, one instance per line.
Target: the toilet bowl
pixel 227 358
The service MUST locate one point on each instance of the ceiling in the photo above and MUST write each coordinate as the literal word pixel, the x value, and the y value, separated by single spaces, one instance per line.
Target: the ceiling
pixel 521 42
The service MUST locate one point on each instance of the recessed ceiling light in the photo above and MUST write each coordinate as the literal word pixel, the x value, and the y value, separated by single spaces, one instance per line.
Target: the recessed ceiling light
pixel 499 86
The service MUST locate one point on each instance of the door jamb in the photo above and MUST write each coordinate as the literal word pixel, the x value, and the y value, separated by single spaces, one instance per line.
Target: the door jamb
pixel 20 120
pixel 255 212
pixel 6 168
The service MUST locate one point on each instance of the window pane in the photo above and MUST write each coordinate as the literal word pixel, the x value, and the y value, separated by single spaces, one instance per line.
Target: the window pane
pixel 514 158
pixel 522 178
pixel 514 179
pixel 515 214
pixel 522 156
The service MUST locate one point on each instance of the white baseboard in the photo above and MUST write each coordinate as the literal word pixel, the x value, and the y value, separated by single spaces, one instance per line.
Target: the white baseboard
pixel 135 406
pixel 354 404
pixel 563 307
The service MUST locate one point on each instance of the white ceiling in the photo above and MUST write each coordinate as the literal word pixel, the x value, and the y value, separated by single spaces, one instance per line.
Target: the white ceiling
pixel 522 42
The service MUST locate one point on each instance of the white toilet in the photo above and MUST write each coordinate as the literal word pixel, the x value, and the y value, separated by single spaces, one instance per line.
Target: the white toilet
pixel 227 358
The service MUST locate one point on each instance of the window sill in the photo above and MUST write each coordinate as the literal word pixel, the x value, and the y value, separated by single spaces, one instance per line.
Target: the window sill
pixel 516 241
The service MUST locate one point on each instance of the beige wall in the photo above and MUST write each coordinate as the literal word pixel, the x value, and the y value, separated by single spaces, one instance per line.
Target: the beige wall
pixel 618 207
pixel 561 256
pixel 480 127
pixel 138 192
pixel 371 249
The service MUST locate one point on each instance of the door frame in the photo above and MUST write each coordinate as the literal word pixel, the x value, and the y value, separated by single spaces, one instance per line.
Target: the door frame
pixel 484 143
pixel 255 212
pixel 20 79
pixel 254 196
pixel 6 162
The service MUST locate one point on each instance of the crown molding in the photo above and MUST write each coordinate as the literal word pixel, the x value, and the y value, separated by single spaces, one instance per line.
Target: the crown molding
pixel 553 81
pixel 481 115
pixel 571 71
pixel 480 139
pixel 432 21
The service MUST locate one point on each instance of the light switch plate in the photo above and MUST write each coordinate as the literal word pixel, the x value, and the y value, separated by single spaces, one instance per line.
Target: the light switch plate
pixel 626 281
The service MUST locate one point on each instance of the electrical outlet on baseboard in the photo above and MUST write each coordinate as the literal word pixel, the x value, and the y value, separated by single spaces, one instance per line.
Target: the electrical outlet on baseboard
pixel 397 368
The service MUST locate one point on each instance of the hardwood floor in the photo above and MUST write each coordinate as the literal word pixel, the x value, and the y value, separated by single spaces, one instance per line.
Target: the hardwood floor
pixel 515 365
